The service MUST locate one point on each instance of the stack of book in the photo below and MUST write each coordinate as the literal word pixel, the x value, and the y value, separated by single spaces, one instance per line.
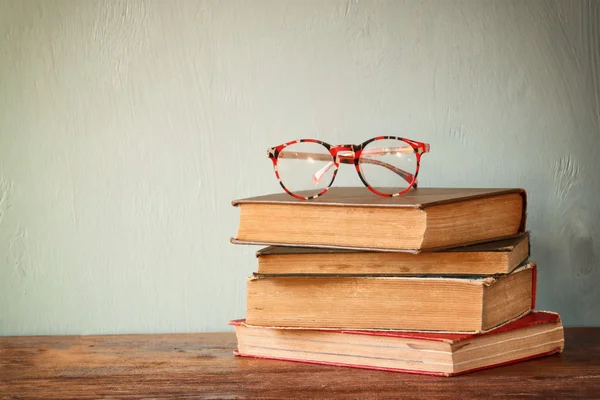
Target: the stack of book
pixel 436 281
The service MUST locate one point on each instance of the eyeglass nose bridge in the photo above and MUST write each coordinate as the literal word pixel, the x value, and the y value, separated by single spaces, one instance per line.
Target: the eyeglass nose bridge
pixel 344 156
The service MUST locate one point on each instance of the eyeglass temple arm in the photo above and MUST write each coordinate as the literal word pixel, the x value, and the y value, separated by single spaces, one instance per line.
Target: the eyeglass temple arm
pixel 408 177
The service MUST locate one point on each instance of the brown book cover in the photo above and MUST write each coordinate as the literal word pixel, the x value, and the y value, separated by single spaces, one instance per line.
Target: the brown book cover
pixel 424 219
pixel 498 257
pixel 451 304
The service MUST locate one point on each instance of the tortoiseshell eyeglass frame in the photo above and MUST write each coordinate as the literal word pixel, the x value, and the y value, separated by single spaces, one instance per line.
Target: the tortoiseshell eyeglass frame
pixel 351 154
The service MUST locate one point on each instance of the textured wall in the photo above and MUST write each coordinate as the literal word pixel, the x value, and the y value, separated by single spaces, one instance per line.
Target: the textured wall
pixel 127 127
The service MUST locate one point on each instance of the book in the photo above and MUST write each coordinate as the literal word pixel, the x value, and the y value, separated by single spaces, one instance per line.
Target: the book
pixel 499 257
pixel 534 335
pixel 453 304
pixel 423 219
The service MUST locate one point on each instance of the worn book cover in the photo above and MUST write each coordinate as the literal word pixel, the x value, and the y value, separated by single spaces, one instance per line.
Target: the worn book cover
pixel 442 303
pixel 537 334
pixel 498 257
pixel 424 219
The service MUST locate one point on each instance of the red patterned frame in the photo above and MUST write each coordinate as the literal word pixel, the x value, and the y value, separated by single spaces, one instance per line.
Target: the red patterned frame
pixel 356 149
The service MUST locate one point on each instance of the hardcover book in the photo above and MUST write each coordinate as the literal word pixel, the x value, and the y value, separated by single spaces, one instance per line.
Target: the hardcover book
pixel 499 257
pixel 534 335
pixel 423 219
pixel 454 304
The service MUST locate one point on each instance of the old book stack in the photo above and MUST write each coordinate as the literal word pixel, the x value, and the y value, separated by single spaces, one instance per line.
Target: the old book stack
pixel 436 281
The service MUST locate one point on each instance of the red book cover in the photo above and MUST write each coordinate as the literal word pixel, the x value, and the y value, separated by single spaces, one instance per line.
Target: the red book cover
pixel 532 319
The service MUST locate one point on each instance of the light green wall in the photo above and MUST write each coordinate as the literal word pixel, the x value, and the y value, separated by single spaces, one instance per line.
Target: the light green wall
pixel 127 127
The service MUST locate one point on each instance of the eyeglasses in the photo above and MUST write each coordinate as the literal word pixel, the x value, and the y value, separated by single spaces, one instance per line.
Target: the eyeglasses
pixel 387 165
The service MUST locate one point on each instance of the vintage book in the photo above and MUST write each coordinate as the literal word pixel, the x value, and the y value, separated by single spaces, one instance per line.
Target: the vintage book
pixel 345 217
pixel 534 335
pixel 499 257
pixel 453 304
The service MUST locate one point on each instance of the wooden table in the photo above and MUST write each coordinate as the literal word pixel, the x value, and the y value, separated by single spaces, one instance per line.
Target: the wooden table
pixel 202 366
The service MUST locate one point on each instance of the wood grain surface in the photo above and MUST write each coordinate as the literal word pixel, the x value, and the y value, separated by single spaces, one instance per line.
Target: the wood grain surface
pixel 203 366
